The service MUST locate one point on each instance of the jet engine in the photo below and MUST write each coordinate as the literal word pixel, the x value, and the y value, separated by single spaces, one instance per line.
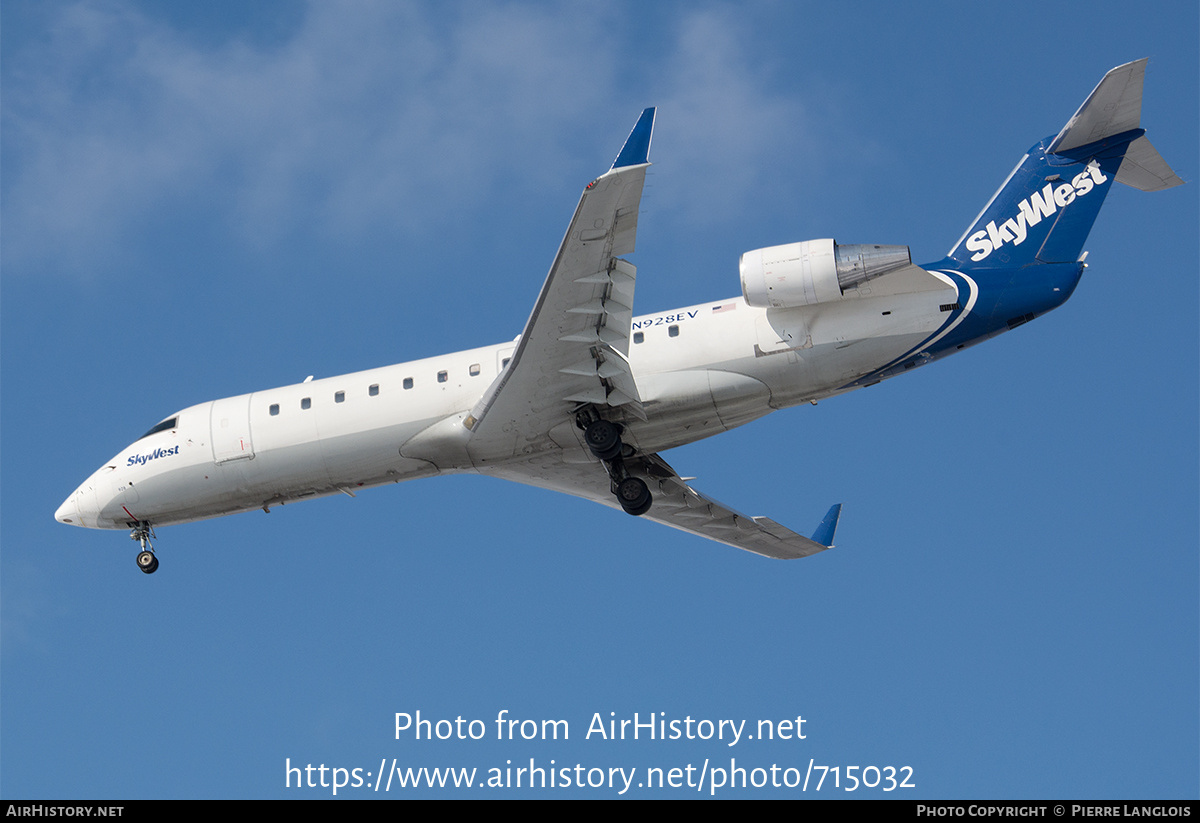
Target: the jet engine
pixel 814 271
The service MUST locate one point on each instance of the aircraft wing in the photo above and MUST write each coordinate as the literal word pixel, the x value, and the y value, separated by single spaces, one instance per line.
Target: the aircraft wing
pixel 676 504
pixel 574 351
pixel 575 346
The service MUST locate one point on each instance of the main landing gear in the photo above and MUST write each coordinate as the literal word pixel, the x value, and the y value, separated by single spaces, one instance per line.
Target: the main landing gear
pixel 142 532
pixel 603 439
pixel 634 495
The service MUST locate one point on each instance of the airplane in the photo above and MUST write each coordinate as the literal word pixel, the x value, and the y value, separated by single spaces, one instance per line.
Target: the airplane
pixel 586 398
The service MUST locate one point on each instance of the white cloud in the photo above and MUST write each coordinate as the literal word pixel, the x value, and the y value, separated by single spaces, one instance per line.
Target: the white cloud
pixel 729 127
pixel 368 116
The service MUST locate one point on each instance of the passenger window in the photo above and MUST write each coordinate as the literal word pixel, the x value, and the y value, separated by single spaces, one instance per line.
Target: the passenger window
pixel 339 397
pixel 474 369
pixel 306 403
pixel 673 331
pixel 638 337
pixel 408 383
pixel 274 409
pixel 442 376
pixel 373 390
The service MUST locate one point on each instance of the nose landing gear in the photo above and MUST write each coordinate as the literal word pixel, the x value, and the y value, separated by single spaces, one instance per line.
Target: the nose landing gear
pixel 142 532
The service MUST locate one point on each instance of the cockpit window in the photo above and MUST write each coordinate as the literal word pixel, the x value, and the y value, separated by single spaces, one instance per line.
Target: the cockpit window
pixel 161 427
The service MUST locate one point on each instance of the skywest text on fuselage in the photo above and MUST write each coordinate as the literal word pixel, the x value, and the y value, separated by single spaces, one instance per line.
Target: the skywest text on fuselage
pixel 139 459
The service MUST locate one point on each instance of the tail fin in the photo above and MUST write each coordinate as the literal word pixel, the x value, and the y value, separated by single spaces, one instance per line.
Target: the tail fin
pixel 1045 209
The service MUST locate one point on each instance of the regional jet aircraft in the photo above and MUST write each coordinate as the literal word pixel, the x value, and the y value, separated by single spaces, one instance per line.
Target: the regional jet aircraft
pixel 588 396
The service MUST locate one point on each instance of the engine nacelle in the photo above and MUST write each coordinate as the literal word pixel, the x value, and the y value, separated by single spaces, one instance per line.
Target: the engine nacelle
pixel 815 271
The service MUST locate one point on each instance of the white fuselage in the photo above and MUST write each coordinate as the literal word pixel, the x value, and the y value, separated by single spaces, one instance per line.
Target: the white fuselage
pixel 700 371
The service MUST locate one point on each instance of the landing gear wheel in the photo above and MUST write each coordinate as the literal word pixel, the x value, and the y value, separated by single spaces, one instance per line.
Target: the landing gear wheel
pixel 603 439
pixel 142 532
pixel 147 562
pixel 634 496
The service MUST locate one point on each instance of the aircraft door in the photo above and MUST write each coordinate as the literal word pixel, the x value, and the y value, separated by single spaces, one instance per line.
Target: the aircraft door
pixel 503 356
pixel 230 421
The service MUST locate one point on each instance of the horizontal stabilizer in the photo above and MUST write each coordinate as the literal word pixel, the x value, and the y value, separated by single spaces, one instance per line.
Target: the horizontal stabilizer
pixel 1143 168
pixel 1113 107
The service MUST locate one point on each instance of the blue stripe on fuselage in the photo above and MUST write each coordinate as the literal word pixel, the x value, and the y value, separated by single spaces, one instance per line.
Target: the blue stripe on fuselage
pixel 1003 300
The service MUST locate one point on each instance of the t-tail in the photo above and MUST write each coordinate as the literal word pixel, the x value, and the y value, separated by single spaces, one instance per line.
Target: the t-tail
pixel 1043 212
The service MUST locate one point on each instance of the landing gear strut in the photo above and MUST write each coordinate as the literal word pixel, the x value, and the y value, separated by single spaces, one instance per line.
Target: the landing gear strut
pixel 603 439
pixel 142 532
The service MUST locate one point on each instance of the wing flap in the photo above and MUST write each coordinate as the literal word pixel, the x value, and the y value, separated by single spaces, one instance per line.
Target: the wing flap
pixel 575 346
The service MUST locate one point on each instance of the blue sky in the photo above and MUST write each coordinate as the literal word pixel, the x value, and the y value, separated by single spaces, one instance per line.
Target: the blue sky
pixel 202 200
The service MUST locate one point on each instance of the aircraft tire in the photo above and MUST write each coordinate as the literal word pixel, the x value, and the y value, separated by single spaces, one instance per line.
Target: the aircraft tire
pixel 147 562
pixel 634 496
pixel 637 511
pixel 603 439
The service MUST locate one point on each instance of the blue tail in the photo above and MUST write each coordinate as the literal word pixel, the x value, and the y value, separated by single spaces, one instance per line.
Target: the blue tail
pixel 1042 213
pixel 1045 209
pixel 1021 257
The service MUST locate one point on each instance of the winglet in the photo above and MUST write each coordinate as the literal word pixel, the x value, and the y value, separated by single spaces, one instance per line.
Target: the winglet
pixel 824 532
pixel 636 151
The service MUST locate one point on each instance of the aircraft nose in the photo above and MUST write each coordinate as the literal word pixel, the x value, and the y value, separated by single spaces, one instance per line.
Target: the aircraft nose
pixel 79 509
pixel 68 512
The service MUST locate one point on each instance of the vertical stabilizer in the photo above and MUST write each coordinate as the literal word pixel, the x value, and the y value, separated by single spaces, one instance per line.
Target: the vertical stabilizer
pixel 1045 209
pixel 1042 213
